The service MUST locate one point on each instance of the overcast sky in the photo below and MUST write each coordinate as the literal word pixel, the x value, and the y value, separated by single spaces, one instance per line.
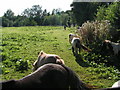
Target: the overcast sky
pixel 18 6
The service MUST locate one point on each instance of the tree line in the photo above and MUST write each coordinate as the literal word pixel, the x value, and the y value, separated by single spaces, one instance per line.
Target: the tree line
pixel 80 12
pixel 35 16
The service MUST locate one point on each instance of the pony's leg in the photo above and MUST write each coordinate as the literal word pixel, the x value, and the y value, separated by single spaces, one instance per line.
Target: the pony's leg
pixel 76 51
pixel 73 50
pixel 79 50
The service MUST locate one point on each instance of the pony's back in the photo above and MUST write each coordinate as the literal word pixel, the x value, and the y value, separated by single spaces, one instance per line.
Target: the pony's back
pixel 48 76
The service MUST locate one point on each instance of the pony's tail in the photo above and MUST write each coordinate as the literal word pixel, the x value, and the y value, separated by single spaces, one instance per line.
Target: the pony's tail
pixel 85 48
pixel 74 82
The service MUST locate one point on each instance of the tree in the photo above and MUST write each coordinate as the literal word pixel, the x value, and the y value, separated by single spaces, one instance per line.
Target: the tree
pixel 46 21
pixel 34 14
pixel 5 22
pixel 83 11
pixel 27 13
pixel 86 11
pixel 111 13
pixel 8 18
pixel 9 14
pixel 36 11
pixel 54 20
pixel 101 13
pixel 45 13
pixel 56 11
pixel 64 18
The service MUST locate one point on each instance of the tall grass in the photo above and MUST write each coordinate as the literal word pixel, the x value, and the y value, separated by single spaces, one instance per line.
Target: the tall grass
pixel 94 31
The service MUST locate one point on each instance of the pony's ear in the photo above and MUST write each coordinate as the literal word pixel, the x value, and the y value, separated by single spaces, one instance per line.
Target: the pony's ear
pixel 59 60
pixel 41 52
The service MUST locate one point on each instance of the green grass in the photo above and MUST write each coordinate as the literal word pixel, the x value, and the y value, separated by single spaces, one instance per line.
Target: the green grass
pixel 25 43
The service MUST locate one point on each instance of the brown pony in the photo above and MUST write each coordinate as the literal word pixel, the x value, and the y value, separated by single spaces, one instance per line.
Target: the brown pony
pixel 48 76
pixel 52 76
pixel 44 58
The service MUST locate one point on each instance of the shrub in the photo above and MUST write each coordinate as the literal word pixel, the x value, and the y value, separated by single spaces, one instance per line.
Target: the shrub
pixel 95 31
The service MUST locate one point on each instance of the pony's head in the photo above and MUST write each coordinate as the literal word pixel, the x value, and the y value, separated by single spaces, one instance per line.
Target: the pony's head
pixel 106 46
pixel 44 58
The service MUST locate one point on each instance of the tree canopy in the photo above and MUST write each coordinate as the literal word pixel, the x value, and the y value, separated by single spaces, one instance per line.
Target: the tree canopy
pixel 35 16
pixel 111 13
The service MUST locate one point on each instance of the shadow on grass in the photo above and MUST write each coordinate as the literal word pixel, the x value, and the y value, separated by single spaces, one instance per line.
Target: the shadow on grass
pixel 81 62
pixel 111 61
pixel 114 61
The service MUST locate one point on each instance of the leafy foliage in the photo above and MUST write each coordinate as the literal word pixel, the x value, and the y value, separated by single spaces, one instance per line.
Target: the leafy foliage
pixel 111 13
pixel 83 11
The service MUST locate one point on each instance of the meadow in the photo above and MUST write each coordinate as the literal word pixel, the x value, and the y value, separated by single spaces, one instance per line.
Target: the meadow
pixel 20 46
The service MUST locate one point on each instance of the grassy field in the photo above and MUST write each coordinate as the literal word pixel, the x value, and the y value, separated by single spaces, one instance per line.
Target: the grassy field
pixel 24 43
